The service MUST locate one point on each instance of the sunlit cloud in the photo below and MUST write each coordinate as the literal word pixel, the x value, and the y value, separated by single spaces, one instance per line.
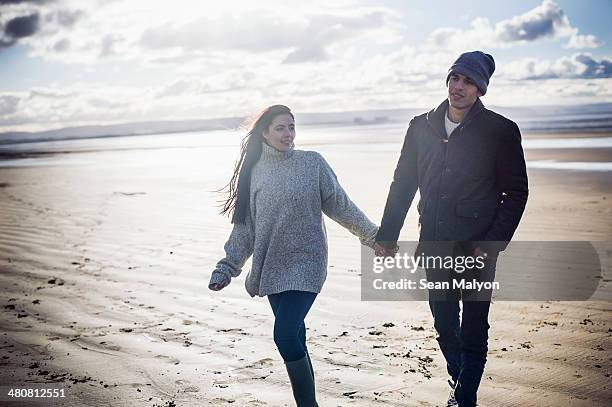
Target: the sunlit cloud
pixel 583 41
pixel 544 21
pixel 580 66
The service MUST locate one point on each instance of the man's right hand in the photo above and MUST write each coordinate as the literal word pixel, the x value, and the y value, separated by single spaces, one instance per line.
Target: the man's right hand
pixel 381 251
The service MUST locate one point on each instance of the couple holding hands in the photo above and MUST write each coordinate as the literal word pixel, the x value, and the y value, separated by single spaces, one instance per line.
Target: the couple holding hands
pixel 467 163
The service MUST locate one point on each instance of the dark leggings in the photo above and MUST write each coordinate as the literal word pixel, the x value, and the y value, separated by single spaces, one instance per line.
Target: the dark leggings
pixel 290 308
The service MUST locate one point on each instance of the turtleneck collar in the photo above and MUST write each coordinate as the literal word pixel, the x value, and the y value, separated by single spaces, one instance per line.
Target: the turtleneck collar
pixel 270 154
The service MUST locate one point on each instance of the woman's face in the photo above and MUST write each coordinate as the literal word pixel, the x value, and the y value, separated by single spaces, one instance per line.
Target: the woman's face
pixel 281 132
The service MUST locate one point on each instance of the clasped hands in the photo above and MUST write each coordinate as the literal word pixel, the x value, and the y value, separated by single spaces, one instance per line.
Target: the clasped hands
pixel 381 251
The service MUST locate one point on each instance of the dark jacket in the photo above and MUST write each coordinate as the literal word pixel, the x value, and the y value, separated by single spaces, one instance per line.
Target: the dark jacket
pixel 473 184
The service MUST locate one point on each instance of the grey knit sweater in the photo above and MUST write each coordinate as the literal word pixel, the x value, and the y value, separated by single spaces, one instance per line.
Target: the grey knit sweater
pixel 284 230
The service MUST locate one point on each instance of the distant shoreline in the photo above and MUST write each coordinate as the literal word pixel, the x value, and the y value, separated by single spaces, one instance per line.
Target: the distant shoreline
pixel 527 132
pixel 544 120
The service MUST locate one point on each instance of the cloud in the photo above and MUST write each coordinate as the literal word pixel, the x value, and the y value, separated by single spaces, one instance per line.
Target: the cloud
pixel 583 41
pixel 48 93
pixel 416 80
pixel 109 44
pixel 577 66
pixel 306 53
pixel 43 108
pixel 594 68
pixel 65 18
pixel 62 45
pixel 24 21
pixel 305 37
pixel 84 33
pixel 11 2
pixel 228 81
pixel 480 35
pixel 6 42
pixel 19 27
pixel 560 91
pixel 8 105
pixel 326 30
pixel 544 21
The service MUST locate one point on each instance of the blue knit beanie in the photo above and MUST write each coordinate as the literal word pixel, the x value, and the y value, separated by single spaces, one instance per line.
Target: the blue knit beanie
pixel 477 66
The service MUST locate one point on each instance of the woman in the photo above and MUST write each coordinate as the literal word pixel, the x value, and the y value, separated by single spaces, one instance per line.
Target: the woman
pixel 276 198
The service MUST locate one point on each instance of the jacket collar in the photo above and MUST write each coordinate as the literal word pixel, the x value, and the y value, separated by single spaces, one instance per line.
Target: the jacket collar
pixel 435 117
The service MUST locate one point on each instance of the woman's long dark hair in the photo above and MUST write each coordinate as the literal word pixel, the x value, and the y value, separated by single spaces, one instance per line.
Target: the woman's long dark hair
pixel 239 187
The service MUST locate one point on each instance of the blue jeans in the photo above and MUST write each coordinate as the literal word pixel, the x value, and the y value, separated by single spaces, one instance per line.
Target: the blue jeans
pixel 290 309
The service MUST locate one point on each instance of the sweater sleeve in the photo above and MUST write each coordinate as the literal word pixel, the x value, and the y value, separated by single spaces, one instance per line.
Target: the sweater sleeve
pixel 238 248
pixel 336 204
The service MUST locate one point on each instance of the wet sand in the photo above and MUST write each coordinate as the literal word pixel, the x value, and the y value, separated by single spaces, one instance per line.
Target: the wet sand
pixel 105 257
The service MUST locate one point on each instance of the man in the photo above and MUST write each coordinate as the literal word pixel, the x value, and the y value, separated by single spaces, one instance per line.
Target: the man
pixel 468 165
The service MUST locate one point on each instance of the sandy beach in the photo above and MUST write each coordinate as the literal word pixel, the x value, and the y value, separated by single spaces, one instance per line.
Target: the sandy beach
pixel 105 255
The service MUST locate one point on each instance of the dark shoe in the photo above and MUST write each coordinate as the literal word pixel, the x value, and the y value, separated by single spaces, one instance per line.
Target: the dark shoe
pixel 302 382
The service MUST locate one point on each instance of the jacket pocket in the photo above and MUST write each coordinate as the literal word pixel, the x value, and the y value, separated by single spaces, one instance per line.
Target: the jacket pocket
pixel 473 219
pixel 477 209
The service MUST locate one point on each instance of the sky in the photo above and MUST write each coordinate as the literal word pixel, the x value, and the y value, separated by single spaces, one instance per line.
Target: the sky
pixel 79 62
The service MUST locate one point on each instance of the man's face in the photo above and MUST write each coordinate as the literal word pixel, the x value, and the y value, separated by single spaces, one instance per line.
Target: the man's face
pixel 462 91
